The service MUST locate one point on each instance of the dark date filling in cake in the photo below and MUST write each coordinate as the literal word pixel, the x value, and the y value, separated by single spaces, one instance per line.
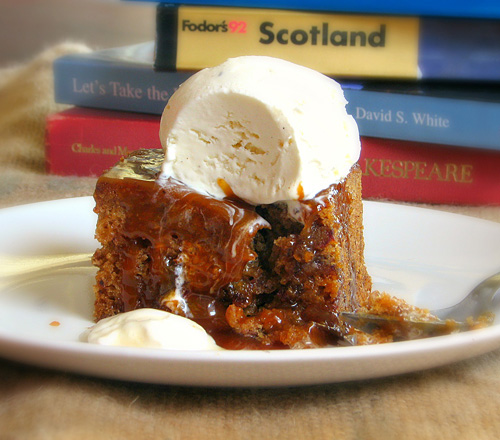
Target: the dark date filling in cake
pixel 270 276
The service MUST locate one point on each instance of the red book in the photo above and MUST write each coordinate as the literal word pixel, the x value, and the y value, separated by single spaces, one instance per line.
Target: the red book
pixel 429 173
pixel 86 142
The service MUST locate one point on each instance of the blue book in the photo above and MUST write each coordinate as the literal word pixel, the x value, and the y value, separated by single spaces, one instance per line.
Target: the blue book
pixel 443 8
pixel 453 114
pixel 347 45
pixel 116 79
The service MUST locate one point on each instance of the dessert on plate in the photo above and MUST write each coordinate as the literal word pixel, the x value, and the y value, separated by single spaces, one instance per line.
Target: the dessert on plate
pixel 249 220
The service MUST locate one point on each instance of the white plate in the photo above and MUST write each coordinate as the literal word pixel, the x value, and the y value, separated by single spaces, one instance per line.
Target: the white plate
pixel 429 257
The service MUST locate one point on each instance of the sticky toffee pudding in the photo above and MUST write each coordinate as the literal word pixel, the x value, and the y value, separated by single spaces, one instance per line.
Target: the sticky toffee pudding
pixel 255 277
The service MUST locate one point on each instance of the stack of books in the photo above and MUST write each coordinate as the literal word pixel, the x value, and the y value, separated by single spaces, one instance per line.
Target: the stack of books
pixel 422 82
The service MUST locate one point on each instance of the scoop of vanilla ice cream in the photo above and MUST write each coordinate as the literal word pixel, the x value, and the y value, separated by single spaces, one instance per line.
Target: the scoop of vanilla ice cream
pixel 261 128
pixel 150 328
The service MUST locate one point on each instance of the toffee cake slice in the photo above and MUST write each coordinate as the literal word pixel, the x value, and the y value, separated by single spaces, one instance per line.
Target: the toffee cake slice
pixel 266 276
pixel 249 221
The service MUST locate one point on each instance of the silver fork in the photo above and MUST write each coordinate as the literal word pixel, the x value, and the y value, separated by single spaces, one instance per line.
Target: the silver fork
pixel 478 302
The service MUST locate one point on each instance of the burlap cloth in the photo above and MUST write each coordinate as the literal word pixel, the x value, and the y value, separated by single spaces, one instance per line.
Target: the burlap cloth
pixel 453 402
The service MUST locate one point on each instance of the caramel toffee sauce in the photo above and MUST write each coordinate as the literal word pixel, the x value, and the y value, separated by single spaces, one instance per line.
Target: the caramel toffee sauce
pixel 221 263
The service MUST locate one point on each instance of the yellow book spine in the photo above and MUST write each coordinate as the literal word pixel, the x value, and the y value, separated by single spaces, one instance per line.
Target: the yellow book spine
pixel 334 44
